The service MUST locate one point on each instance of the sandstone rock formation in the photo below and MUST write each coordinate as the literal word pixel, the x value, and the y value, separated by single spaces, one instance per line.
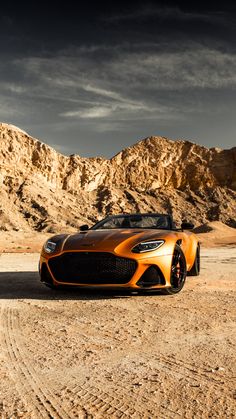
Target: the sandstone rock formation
pixel 45 191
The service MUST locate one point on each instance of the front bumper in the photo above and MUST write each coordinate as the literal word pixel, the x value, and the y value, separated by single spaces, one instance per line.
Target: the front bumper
pixel 105 269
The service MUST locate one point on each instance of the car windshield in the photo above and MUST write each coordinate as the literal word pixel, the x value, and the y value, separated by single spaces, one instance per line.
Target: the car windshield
pixel 134 221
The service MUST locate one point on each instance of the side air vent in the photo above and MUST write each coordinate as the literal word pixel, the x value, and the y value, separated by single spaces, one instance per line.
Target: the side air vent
pixel 45 275
pixel 152 276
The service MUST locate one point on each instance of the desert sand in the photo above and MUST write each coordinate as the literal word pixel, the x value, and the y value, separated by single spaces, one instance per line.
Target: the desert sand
pixel 100 354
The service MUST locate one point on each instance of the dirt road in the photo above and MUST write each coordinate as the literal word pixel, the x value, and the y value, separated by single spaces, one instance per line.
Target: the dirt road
pixel 84 354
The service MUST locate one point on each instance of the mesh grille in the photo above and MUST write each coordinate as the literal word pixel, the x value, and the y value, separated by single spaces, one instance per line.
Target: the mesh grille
pixel 92 268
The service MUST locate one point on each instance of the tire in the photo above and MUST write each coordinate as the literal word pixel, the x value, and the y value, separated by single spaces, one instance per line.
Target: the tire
pixel 195 270
pixel 51 286
pixel 178 272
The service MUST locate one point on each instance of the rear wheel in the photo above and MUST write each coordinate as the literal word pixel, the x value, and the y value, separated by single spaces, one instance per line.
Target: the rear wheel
pixel 195 270
pixel 178 271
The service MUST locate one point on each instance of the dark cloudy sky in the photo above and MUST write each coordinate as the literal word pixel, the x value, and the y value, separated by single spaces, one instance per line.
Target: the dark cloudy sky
pixel 92 79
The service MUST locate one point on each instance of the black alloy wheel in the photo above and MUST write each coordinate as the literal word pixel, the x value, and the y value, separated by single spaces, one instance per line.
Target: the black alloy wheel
pixel 178 271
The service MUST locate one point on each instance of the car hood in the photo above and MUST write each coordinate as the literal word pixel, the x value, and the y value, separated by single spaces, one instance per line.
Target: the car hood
pixel 109 240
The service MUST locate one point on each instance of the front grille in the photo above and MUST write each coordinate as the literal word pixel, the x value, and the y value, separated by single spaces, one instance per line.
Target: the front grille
pixel 92 268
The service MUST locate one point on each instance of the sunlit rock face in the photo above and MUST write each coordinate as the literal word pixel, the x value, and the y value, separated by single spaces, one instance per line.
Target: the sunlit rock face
pixel 43 190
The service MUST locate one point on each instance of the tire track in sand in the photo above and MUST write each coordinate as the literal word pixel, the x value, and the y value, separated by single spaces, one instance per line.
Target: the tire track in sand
pixel 92 402
pixel 103 405
pixel 115 401
pixel 29 385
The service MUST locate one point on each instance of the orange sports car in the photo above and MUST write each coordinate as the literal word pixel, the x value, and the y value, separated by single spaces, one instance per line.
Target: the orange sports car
pixel 136 251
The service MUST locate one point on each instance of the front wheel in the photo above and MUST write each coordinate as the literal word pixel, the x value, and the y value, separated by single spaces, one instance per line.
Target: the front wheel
pixel 178 271
pixel 195 270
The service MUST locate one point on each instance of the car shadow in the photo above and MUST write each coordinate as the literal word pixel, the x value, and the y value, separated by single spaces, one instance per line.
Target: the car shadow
pixel 27 285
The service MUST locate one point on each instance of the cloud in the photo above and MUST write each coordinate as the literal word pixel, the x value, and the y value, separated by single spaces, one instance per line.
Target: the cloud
pixel 104 111
pixel 130 85
pixel 151 11
pixel 9 111
pixel 117 77
pixel 201 68
pixel 14 88
pixel 94 112
pixel 103 92
pixel 123 112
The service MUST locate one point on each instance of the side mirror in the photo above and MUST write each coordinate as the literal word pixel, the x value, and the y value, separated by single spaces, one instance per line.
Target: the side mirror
pixel 84 227
pixel 187 226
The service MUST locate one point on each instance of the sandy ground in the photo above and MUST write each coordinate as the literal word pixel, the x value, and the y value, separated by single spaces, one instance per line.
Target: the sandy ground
pixel 22 242
pixel 87 354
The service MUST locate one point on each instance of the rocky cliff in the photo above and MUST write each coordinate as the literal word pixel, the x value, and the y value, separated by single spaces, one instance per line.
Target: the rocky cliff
pixel 46 191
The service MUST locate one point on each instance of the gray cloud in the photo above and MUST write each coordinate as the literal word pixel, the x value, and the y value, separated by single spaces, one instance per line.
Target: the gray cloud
pixel 194 67
pixel 122 79
pixel 147 11
pixel 128 89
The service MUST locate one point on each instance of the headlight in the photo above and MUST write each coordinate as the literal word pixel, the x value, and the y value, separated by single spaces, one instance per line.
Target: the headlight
pixel 147 246
pixel 50 246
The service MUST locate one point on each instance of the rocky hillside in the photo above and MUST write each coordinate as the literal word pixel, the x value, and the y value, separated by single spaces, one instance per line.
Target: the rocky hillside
pixel 46 191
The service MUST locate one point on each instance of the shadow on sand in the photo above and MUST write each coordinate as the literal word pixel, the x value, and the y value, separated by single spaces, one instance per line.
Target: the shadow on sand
pixel 27 285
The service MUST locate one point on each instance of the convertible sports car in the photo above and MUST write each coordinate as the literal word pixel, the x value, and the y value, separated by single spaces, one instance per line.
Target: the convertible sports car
pixel 137 251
